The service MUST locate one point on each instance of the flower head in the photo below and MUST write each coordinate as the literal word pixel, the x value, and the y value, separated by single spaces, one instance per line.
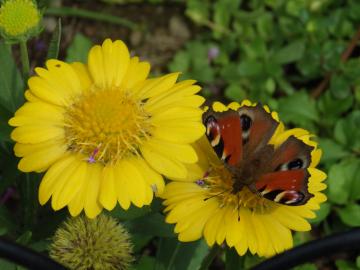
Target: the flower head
pixel 202 205
pixel 19 19
pixel 100 243
pixel 103 132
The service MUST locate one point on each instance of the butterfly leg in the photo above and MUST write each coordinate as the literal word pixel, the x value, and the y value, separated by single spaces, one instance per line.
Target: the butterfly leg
pixel 253 189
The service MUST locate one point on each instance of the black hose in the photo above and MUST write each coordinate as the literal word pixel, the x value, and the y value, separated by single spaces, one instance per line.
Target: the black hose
pixel 26 257
pixel 312 250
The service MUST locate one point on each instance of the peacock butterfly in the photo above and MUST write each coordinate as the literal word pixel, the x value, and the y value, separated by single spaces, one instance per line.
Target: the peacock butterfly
pixel 241 140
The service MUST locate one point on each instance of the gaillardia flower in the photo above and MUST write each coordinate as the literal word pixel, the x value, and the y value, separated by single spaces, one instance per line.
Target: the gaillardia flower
pixel 100 244
pixel 103 132
pixel 207 204
pixel 19 19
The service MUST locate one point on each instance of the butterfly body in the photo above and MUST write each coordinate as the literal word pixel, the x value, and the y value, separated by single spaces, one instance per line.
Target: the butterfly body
pixel 241 140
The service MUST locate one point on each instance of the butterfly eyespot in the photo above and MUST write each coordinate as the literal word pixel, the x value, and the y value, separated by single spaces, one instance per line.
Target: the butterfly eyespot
pixel 295 164
pixel 245 122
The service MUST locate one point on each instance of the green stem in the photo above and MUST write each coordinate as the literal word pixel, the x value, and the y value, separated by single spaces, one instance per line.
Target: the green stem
pixel 24 59
pixel 210 257
pixel 82 13
pixel 173 256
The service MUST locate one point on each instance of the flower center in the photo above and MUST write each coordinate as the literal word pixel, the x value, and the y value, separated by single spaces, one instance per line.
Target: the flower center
pixel 18 16
pixel 106 125
pixel 219 182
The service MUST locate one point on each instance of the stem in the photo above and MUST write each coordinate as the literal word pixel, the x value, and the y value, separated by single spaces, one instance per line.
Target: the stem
pixel 87 14
pixel 344 57
pixel 24 59
pixel 29 200
pixel 210 257
pixel 173 256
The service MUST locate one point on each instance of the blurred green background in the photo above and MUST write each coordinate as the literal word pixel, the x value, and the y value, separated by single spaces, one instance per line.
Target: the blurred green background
pixel 301 57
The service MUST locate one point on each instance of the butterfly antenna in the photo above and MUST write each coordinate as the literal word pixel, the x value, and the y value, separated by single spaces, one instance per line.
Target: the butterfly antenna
pixel 215 195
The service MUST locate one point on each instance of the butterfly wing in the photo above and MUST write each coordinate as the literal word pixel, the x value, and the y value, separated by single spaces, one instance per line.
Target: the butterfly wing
pixel 233 134
pixel 258 126
pixel 287 182
pixel 223 131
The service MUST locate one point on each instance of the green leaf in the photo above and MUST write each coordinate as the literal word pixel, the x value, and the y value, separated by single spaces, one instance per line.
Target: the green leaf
pixel 347 131
pixel 250 68
pixel 78 49
pixel 132 213
pixel 7 222
pixel 25 238
pixel 350 214
pixel 340 87
pixel 198 10
pixel 344 265
pixel 331 106
pixel 343 184
pixel 145 263
pixel 232 260
pixel 235 92
pixel 322 213
pixel 153 224
pixel 5 129
pixel 54 46
pixel 358 261
pixel 175 255
pixel 11 82
pixel 181 62
pixel 332 151
pixel 298 109
pixel 7 265
pixel 290 53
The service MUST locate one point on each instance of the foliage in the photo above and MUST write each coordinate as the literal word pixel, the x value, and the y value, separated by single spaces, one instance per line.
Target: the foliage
pixel 288 54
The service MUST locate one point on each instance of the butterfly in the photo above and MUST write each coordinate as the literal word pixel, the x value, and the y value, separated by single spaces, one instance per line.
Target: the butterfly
pixel 241 140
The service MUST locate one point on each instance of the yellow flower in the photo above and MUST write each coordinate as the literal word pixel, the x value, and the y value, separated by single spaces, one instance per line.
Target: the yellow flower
pixel 104 132
pixel 19 19
pixel 99 244
pixel 200 205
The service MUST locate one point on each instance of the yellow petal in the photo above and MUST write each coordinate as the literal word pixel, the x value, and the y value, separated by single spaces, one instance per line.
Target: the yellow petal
pixel 178 91
pixel 214 227
pixel 107 196
pixel 157 86
pixel 38 113
pixel 134 182
pixel 219 107
pixel 190 101
pixel 48 182
pixel 108 63
pixel 31 97
pixel 232 224
pixel 42 158
pixel 164 165
pixel 83 75
pixel 42 89
pixel 92 206
pixel 121 187
pixel 290 219
pixel 152 178
pixel 183 132
pixel 36 134
pixel 72 186
pixel 57 85
pixel 197 222
pixel 182 152
pixel 245 218
pixel 178 114
pixel 136 73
